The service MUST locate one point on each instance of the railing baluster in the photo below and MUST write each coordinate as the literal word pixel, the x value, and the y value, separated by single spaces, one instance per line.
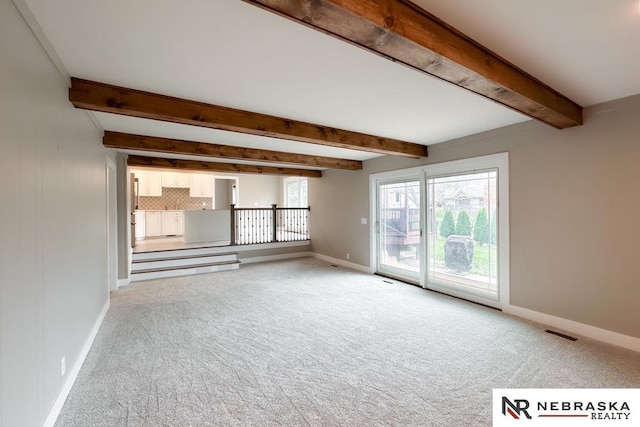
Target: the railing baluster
pixel 274 223
pixel 232 235
pixel 264 225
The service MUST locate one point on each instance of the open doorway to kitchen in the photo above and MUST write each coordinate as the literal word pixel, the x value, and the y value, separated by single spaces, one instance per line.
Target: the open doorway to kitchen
pixel 163 198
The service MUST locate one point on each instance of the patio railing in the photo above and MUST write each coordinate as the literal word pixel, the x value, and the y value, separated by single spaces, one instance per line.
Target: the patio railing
pixel 268 225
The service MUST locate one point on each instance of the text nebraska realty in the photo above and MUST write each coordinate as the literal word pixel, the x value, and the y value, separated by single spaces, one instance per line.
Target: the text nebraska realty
pixel 598 410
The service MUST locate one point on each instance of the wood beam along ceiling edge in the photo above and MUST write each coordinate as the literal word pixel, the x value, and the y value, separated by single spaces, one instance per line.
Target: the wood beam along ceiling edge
pixel 193 165
pixel 127 141
pixel 403 32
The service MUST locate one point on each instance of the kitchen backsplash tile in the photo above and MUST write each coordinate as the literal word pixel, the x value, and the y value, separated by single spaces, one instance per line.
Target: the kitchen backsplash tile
pixel 174 198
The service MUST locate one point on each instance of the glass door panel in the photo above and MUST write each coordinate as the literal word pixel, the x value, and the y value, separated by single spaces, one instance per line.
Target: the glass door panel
pixel 462 239
pixel 399 230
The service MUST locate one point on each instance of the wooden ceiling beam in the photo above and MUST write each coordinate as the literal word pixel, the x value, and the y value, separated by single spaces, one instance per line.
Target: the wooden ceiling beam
pixel 403 32
pixel 106 98
pixel 126 141
pixel 192 165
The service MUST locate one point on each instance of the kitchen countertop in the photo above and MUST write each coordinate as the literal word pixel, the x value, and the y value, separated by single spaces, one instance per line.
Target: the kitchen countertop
pixel 175 210
pixel 168 210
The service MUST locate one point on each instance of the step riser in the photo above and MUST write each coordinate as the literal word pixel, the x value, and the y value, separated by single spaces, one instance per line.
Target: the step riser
pixel 181 262
pixel 179 253
pixel 182 272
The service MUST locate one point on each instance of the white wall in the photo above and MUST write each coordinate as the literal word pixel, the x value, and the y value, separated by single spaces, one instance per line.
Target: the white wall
pixel 258 191
pixel 222 193
pixel 53 245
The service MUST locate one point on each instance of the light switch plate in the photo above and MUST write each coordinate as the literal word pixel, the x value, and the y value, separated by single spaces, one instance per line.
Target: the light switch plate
pixel 363 221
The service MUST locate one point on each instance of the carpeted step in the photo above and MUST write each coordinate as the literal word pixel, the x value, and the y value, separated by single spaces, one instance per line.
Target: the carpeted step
pixel 184 270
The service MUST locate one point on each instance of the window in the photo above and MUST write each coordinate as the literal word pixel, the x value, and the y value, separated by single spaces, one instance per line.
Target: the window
pixel 295 190
pixel 462 240
pixel 467 229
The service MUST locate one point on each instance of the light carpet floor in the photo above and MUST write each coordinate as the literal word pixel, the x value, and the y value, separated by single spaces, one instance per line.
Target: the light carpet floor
pixel 302 343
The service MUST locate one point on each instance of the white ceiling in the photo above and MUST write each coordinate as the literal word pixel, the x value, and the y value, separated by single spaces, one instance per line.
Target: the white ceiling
pixel 229 53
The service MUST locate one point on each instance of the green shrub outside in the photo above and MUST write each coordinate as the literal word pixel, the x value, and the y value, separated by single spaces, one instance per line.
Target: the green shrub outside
pixel 463 224
pixel 448 226
pixel 481 228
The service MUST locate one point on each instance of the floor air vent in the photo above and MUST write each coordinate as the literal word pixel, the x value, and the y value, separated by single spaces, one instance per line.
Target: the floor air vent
pixel 567 337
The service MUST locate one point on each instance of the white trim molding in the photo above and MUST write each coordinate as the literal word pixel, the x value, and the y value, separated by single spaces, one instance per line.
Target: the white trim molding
pixel 279 257
pixel 587 331
pixel 54 412
pixel 343 263
pixel 123 282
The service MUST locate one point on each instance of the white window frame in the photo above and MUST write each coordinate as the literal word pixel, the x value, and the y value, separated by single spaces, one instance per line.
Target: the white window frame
pixel 294 180
pixel 500 162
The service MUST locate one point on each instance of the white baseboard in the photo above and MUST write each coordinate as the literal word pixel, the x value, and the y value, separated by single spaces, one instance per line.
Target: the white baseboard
pixel 279 257
pixel 587 331
pixel 123 282
pixel 344 263
pixel 73 374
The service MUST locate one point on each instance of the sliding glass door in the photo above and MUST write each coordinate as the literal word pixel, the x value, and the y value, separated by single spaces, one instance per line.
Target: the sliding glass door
pixel 445 227
pixel 462 230
pixel 398 228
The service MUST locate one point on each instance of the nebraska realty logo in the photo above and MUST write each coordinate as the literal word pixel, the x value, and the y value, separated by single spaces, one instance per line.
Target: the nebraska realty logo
pixel 566 407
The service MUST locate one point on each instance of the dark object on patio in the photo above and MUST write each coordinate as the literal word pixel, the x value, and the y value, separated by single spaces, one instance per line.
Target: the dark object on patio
pixel 458 253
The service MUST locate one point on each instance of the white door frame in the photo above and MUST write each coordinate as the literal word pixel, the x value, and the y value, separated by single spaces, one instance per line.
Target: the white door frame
pixel 376 181
pixel 112 217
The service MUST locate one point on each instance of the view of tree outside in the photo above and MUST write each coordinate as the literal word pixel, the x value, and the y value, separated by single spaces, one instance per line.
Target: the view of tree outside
pixel 448 225
pixel 481 228
pixel 463 225
pixel 464 204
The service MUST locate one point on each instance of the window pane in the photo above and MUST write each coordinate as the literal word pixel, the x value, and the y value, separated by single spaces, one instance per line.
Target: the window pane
pixel 303 194
pixel 462 232
pixel 399 219
pixel 293 199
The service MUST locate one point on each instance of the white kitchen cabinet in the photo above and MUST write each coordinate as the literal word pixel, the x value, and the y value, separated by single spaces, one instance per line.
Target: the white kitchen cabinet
pixel 176 180
pixel 183 180
pixel 149 183
pixel 153 226
pixel 172 223
pixel 140 217
pixel 201 185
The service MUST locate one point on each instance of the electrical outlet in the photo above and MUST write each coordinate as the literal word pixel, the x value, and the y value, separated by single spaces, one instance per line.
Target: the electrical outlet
pixel 63 366
pixel 348 255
